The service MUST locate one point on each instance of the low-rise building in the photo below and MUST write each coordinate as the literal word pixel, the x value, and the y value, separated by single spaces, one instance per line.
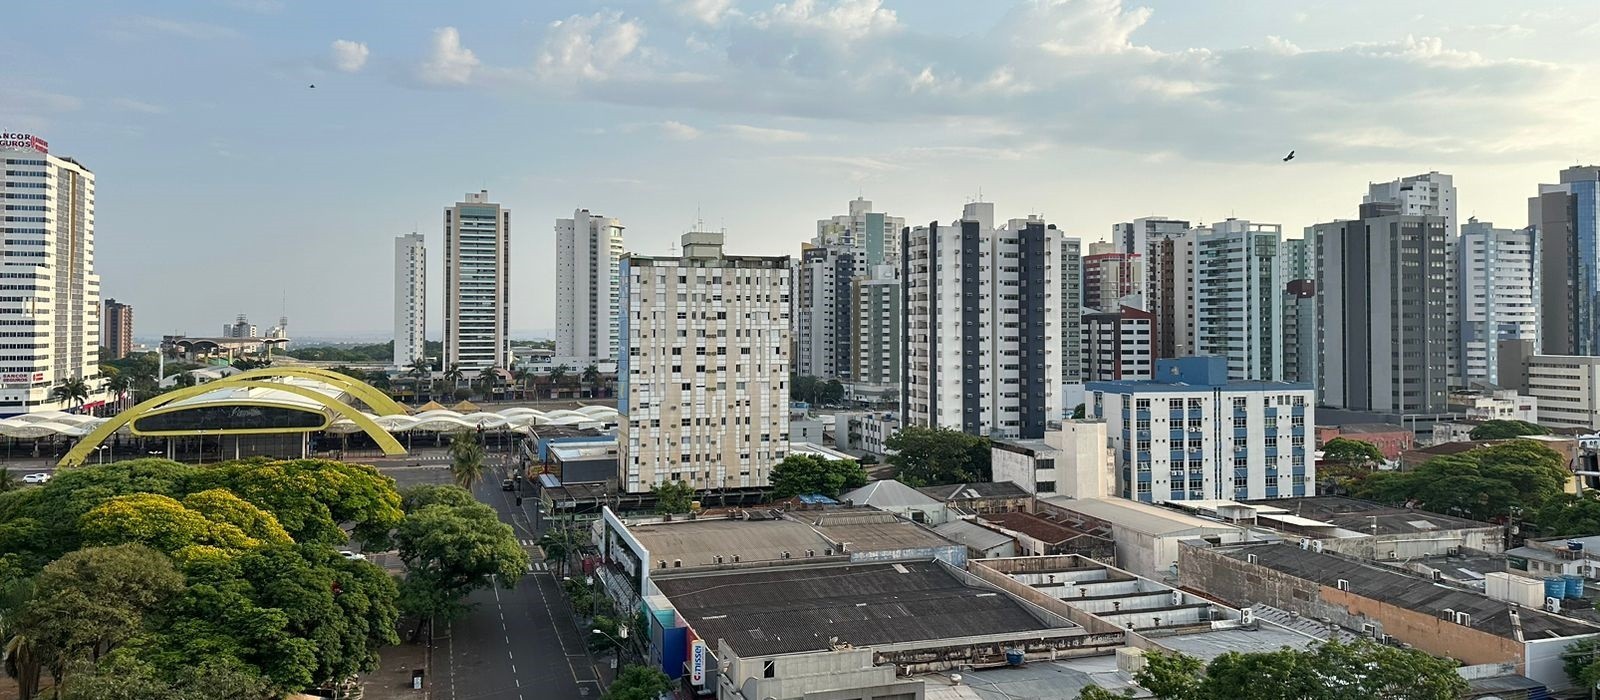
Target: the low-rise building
pixel 1560 556
pixel 1358 528
pixel 1072 460
pixel 1146 536
pixel 1500 404
pixel 866 432
pixel 981 542
pixel 982 497
pixel 1037 535
pixel 1390 439
pixel 1387 604
pixel 1567 388
pixel 894 497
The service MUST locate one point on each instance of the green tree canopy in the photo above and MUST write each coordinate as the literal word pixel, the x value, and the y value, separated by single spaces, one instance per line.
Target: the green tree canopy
pixel 1343 450
pixel 933 456
pixel 800 474
pixel 1567 515
pixel 466 459
pixel 1328 671
pixel 638 683
pixel 1483 483
pixel 1506 429
pixel 452 548
pixel 673 497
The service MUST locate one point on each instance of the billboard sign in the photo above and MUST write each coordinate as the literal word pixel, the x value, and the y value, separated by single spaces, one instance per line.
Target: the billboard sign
pixel 23 378
pixel 697 662
pixel 12 139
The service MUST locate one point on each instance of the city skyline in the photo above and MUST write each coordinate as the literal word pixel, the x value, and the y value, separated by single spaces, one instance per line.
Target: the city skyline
pixel 1064 109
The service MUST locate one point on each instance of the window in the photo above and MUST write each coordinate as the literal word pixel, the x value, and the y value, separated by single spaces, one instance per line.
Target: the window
pixel 1143 445
pixel 1239 403
pixel 1144 466
pixel 1142 404
pixel 769 669
pixel 1044 464
pixel 1046 487
pixel 1143 425
pixel 1142 487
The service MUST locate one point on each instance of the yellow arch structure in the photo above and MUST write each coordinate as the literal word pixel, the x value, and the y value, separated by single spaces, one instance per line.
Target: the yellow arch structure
pixel 379 402
pixel 81 451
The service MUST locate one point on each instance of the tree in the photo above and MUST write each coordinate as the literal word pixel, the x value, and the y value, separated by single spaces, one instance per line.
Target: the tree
pixel 1079 412
pixel 933 456
pixel 1172 676
pixel 126 677
pixel 419 368
pixel 560 545
pixel 1506 429
pixel 466 459
pixel 72 391
pixel 490 376
pixel 591 377
pixel 452 547
pixel 1482 484
pixel 1581 663
pixel 1095 692
pixel 1342 450
pixel 1567 515
pixel 673 497
pixel 558 375
pixel 522 375
pixel 800 474
pixel 8 481
pixel 638 683
pixel 1330 670
pixel 119 384
pixel 455 374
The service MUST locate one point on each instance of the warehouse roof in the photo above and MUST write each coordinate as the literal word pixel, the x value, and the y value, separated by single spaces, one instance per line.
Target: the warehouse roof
pixel 1139 517
pixel 974 536
pixel 888 493
pixel 980 489
pixel 1042 529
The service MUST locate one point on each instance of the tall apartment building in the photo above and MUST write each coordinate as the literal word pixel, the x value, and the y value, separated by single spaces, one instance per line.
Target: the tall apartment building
pixel 876 370
pixel 116 329
pixel 1567 388
pixel 1238 297
pixel 1166 249
pixel 823 313
pixel 1566 221
pixel 1117 345
pixel 1191 434
pixel 1382 311
pixel 1071 311
pixel 704 392
pixel 876 234
pixel 477 284
pixel 49 260
pixel 1431 194
pixel 241 328
pixel 410 299
pixel 588 278
pixel 1498 296
pixel 1300 342
pixel 1109 276
pixel 982 315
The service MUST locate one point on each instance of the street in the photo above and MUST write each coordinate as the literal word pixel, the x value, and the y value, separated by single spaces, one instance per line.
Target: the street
pixel 517 642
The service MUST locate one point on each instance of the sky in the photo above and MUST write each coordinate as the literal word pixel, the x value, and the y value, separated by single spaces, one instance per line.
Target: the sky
pixel 226 185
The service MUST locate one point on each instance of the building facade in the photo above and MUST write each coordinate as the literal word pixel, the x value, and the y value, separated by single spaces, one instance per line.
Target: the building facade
pixel 588 278
pixel 1566 221
pixel 1166 248
pixel 1567 389
pixel 981 325
pixel 824 313
pixel 1191 434
pixel 876 343
pixel 116 331
pixel 704 392
pixel 1071 310
pixel 410 299
pixel 1382 310
pixel 1430 194
pixel 1300 341
pixel 1498 296
pixel 876 234
pixel 1238 297
pixel 49 260
pixel 1109 276
pixel 1117 345
pixel 477 284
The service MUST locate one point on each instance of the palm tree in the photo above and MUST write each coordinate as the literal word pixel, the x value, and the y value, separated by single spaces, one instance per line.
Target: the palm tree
pixel 490 376
pixel 74 391
pixel 522 375
pixel 591 376
pixel 8 481
pixel 454 374
pixel 466 459
pixel 120 384
pixel 419 368
pixel 558 373
pixel 23 663
pixel 559 545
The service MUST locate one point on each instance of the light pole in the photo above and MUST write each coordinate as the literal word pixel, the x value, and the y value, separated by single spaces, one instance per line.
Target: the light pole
pixel 100 453
pixel 622 631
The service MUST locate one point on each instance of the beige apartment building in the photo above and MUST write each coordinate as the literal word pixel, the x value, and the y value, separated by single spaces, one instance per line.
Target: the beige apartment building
pixel 704 390
pixel 477 284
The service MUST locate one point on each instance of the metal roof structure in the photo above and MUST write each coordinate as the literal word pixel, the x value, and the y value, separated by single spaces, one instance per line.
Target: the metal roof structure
pixel 973 536
pixel 888 493
pixel 983 489
pixel 1139 517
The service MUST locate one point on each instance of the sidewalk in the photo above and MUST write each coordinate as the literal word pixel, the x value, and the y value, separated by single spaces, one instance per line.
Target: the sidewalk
pixel 392 679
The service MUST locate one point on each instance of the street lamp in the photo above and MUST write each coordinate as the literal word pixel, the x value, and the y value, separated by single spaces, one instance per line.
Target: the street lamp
pixel 621 632
pixel 100 453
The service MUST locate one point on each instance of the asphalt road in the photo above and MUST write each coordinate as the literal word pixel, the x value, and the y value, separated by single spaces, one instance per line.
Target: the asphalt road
pixel 519 642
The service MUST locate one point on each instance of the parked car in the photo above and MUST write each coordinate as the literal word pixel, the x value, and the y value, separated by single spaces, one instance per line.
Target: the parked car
pixel 40 478
pixel 352 556
pixel 507 485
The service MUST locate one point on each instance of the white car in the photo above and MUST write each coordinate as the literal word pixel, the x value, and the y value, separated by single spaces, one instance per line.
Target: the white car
pixel 352 556
pixel 40 478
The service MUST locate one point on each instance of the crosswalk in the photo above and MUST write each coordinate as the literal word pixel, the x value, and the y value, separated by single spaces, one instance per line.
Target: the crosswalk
pixel 540 566
pixel 527 542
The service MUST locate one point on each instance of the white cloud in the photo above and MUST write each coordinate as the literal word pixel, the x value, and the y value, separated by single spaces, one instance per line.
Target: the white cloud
pixel 760 134
pixel 450 63
pixel 588 46
pixel 349 56
pixel 128 104
pixel 710 12
pixel 848 19
pixel 679 131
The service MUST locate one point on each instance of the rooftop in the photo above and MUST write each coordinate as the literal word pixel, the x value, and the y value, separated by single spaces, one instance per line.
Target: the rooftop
pixel 1140 517
pixel 1415 593
pixel 1211 644
pixel 696 542
pixel 1364 517
pixel 799 609
pixel 974 536
pixel 888 493
pixel 982 489
pixel 870 529
pixel 1354 428
pixel 1042 529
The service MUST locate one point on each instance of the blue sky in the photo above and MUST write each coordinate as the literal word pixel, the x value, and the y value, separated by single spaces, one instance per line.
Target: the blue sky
pixel 225 185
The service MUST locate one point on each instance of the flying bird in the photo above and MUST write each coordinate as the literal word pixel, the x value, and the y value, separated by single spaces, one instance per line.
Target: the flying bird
pixel 1286 158
pixel 314 86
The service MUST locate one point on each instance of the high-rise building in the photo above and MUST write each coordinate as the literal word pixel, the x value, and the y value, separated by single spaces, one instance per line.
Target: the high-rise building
pixel 477 284
pixel 1072 312
pixel 240 328
pixel 1431 194
pixel 1300 330
pixel 588 277
pixel 876 299
pixel 1191 434
pixel 982 326
pixel 410 299
pixel 1566 221
pixel 49 259
pixel 1498 295
pixel 1117 345
pixel 704 392
pixel 116 331
pixel 876 234
pixel 1166 249
pixel 824 313
pixel 1238 297
pixel 1109 275
pixel 1382 311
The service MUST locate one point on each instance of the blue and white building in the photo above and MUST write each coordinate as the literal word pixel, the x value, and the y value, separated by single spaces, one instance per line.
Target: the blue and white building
pixel 1191 434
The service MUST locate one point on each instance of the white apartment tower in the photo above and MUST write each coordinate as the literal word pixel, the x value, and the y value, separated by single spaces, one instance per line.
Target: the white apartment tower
pixel 982 325
pixel 704 392
pixel 477 284
pixel 410 299
pixel 861 245
pixel 1238 297
pixel 49 260
pixel 1499 297
pixel 588 277
pixel 876 234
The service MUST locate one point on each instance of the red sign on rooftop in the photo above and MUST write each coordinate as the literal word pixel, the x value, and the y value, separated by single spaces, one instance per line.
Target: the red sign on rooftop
pixel 10 139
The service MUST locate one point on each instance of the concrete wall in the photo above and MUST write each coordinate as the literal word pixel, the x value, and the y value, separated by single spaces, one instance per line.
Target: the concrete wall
pixel 1004 581
pixel 1413 545
pixel 847 674
pixel 1084 465
pixel 1018 468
